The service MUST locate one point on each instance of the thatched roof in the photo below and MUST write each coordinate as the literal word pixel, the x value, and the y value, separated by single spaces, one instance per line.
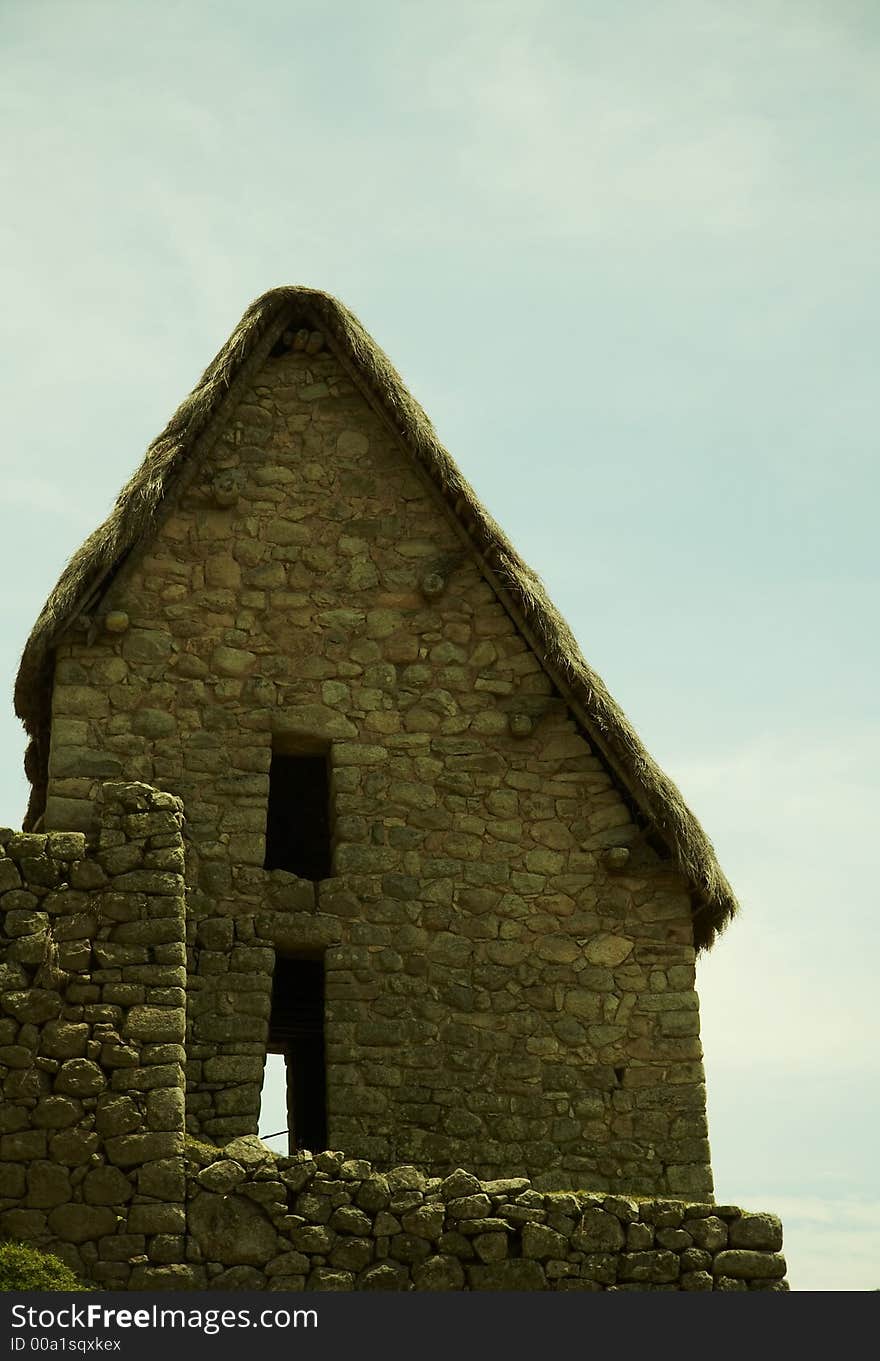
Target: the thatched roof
pixel 655 799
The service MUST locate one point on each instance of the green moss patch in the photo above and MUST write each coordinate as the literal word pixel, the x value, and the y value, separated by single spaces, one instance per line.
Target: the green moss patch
pixel 23 1267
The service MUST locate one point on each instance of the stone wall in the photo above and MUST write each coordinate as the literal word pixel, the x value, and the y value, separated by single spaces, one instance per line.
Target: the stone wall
pixel 94 1164
pixel 509 962
pixel 258 1221
pixel 92 1015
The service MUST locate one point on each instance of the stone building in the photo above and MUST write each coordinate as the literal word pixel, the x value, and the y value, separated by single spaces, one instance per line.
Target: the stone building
pixel 426 856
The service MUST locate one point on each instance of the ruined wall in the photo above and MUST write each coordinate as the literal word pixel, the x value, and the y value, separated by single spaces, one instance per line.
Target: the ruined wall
pixel 496 996
pixel 92 1014
pixel 94 1164
pixel 258 1221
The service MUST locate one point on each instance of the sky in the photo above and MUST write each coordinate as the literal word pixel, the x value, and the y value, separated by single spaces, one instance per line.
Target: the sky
pixel 626 258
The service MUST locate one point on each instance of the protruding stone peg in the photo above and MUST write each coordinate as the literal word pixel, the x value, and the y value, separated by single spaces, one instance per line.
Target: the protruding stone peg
pixel 521 725
pixel 616 858
pixel 224 489
pixel 433 584
pixel 116 621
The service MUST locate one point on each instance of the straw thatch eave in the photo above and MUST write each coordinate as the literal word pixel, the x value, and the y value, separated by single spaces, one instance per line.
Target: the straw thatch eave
pixel 660 804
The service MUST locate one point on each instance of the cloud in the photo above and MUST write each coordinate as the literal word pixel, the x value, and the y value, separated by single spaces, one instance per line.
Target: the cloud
pixel 40 495
pixel 577 128
pixel 831 1244
pixel 659 222
pixel 787 1011
pixel 793 818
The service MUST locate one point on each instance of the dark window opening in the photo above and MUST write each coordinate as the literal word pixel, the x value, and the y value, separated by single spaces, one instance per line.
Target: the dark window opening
pixel 296 1030
pixel 298 816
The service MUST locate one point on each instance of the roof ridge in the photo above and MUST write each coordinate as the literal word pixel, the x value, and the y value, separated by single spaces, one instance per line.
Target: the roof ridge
pixel 141 497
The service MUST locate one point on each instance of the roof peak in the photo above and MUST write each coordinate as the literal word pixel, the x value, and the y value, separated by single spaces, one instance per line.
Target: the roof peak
pixel 660 802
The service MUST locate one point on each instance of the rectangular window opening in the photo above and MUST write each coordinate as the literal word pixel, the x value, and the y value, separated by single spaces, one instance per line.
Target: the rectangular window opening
pixel 296 1036
pixel 298 823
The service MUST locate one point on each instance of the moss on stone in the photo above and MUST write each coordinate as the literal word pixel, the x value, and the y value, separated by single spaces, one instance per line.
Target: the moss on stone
pixel 23 1267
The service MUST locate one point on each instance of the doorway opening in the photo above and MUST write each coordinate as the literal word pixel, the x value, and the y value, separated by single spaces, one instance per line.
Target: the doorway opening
pixel 296 1033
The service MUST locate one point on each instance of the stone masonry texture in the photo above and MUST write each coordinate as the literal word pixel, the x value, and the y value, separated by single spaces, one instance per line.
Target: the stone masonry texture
pixel 497 996
pixel 95 1166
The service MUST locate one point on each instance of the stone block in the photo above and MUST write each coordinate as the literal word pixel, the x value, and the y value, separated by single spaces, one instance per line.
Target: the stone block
pixel 23 1146
pixel 639 1236
pixel 352 1254
pixel 458 1185
pixel 12 1181
pixel 469 1207
pixel 165 1108
pixel 491 1247
pixel 598 1231
pixel 542 1243
pixel 143 646
pixel 66 846
pixel 288 1264
pixel 406 1247
pixel 129 1150
pixel 742 1264
pixel 424 1221
pixel 657 1267
pixel 75 814
pixel 167 1247
pixel 48 1185
pixel 117 1115
pixel 9 876
pixel 80 1077
pixel 696 1280
pixel 763 1231
pixel 384 1276
pixel 163 1179
pixel 64 1040
pixel 313 1238
pixel 513 1274
pixel 156 1218
pixel 348 1219
pixel 374 1194
pixel 233 662
pixel 222 1176
pixel 73 1147
pixel 106 1186
pixel 85 763
pixel 155 1023
pixel 32 1007
pixel 82 1223
pixel 709 1233
pixel 441 1272
pixel 250 1151
pixel 176 1276
pixel 232 1229
pixel 23 1224
pixel 26 845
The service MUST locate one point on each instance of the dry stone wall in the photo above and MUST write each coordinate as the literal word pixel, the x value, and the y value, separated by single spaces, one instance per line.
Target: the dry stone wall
pixel 94 1164
pixel 92 1018
pixel 509 964
pixel 258 1221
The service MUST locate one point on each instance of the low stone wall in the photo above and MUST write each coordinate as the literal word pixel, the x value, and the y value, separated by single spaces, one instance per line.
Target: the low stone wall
pixel 258 1221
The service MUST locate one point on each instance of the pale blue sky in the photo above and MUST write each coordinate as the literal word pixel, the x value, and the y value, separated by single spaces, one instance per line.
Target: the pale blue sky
pixel 626 257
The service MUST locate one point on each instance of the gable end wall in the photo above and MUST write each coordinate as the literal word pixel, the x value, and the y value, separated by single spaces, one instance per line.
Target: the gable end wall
pixel 496 996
